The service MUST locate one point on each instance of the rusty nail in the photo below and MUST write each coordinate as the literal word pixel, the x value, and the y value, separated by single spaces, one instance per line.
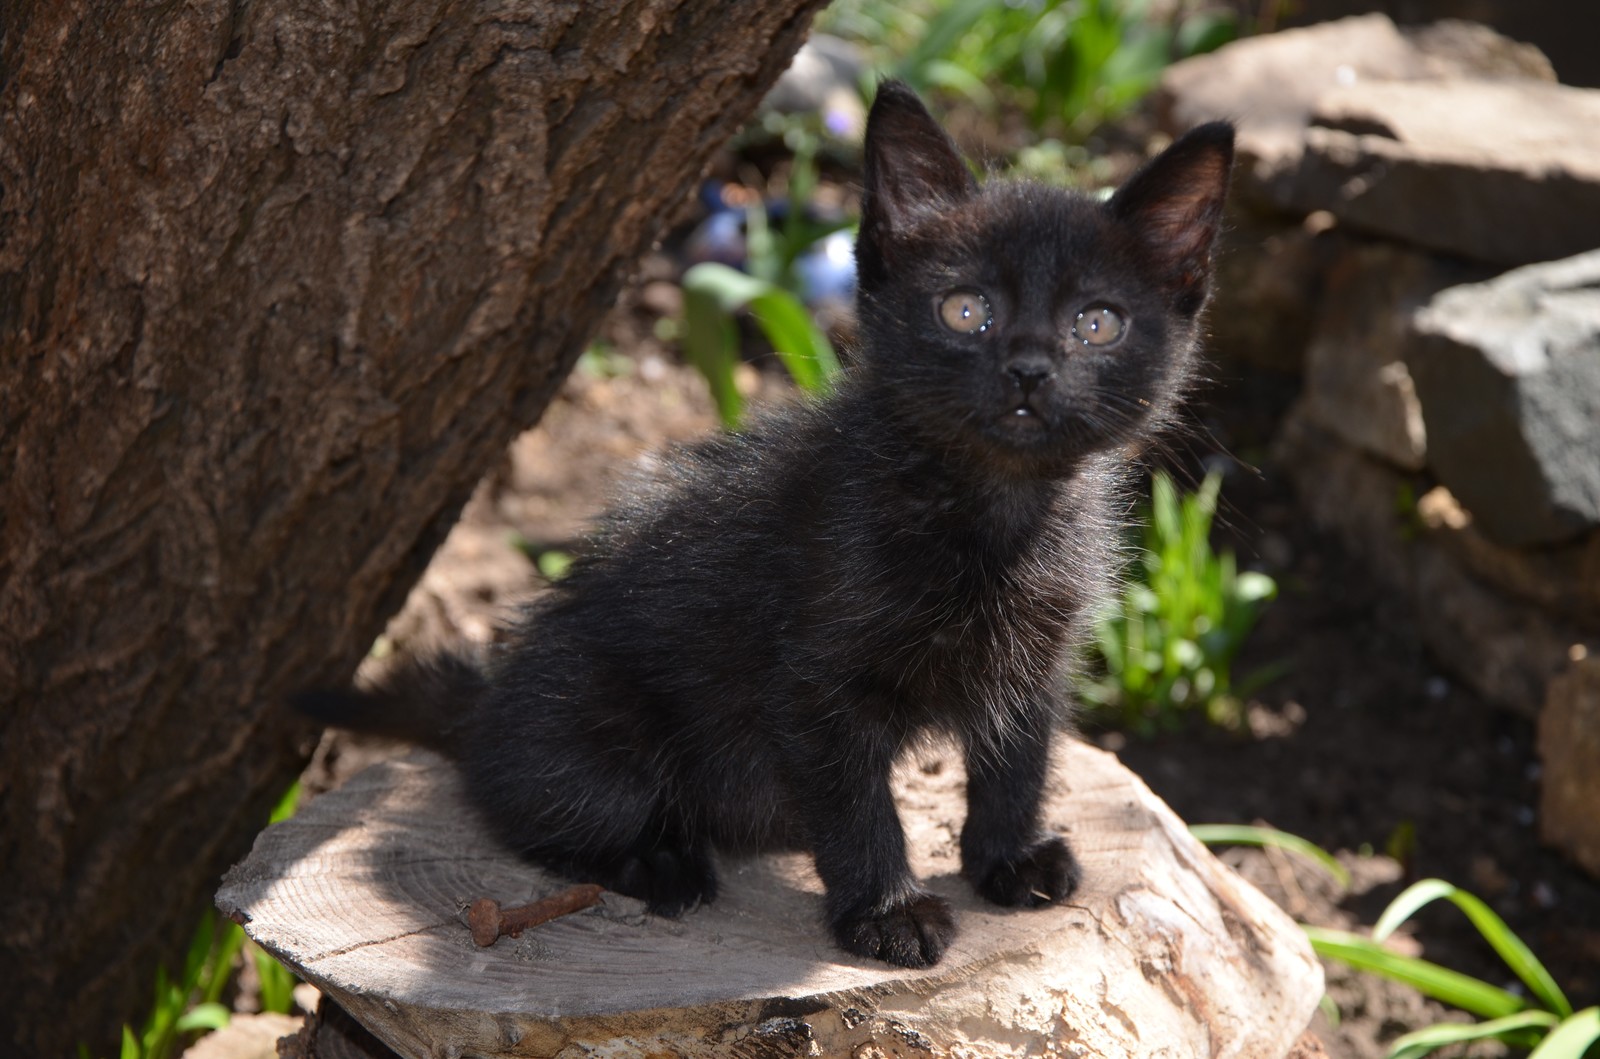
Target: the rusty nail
pixel 489 922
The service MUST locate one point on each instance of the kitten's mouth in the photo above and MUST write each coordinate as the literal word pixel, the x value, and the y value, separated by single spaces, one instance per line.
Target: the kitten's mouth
pixel 1024 414
pixel 1022 419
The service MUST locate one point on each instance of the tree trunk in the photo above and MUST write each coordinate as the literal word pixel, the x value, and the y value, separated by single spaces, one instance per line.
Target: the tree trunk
pixel 278 280
pixel 1161 951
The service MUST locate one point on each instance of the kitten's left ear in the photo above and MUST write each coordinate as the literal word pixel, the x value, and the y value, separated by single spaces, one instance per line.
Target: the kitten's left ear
pixel 1175 205
pixel 909 166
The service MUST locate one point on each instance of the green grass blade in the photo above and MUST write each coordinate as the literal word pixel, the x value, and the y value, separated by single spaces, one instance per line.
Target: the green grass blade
pixel 1507 945
pixel 1572 1039
pixel 1441 983
pixel 795 337
pixel 1420 1042
pixel 286 805
pixel 710 341
pixel 731 289
pixel 204 1017
pixel 130 1044
pixel 277 982
pixel 221 968
pixel 1250 835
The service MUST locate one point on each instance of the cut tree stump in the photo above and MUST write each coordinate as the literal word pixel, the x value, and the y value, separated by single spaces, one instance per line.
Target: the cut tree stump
pixel 1163 952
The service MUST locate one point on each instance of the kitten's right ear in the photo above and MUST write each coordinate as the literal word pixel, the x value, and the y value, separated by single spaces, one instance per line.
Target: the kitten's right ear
pixel 1174 204
pixel 910 166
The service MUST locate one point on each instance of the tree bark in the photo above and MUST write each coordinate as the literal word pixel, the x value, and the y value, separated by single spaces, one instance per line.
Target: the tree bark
pixel 1162 951
pixel 278 280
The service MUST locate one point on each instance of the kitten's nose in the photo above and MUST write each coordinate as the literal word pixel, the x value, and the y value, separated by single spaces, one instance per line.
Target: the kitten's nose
pixel 1030 372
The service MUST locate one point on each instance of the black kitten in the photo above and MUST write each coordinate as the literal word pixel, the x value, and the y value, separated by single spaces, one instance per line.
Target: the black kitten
pixel 758 633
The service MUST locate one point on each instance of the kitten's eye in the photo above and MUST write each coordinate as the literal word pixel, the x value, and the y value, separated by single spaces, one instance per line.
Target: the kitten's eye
pixel 1099 325
pixel 965 312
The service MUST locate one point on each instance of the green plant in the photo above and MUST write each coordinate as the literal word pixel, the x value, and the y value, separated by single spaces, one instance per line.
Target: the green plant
pixel 191 1003
pixel 1253 835
pixel 1168 646
pixel 1543 1021
pixel 1070 64
pixel 713 295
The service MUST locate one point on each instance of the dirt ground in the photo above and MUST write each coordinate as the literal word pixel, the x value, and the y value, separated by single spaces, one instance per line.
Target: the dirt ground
pixel 1363 747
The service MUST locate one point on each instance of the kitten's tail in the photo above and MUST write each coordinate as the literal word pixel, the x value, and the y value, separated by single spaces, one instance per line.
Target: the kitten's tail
pixel 428 701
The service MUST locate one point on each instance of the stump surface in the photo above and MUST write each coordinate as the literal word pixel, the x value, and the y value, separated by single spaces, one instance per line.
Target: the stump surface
pixel 1163 952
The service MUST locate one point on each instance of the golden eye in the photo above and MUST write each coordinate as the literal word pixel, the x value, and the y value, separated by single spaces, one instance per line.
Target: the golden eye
pixel 965 312
pixel 1099 325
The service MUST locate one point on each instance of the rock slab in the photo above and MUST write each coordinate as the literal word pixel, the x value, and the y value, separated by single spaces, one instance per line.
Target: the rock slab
pixel 1503 172
pixel 1163 951
pixel 1508 373
pixel 1272 85
pixel 1569 746
pixel 1356 383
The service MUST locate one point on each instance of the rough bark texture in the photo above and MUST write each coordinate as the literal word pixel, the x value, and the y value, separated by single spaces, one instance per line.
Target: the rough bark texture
pixel 1162 952
pixel 278 279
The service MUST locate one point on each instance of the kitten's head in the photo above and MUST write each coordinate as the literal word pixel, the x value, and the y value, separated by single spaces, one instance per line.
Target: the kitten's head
pixel 1022 326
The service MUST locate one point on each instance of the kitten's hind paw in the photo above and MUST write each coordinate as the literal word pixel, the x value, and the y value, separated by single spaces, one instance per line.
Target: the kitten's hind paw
pixel 1043 873
pixel 668 881
pixel 912 932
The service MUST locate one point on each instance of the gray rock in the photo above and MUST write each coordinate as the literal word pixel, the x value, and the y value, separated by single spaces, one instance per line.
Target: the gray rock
pixel 1271 85
pixel 1562 580
pixel 1504 648
pixel 1503 172
pixel 1508 373
pixel 1569 746
pixel 1357 384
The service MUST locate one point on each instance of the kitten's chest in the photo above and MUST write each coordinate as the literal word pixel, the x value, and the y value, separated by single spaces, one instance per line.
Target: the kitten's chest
pixel 973 622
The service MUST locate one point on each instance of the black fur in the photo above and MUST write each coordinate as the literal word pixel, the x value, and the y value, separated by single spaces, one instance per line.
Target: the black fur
pixel 761 630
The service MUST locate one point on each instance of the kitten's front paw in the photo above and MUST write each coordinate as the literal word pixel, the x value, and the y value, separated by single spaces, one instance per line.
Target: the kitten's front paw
pixel 1045 872
pixel 912 932
pixel 669 881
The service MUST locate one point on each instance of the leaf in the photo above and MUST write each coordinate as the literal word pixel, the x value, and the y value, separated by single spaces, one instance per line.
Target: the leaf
pixel 1507 945
pixel 710 342
pixel 730 289
pixel 1420 1042
pixel 1572 1038
pixel 1441 983
pixel 221 969
pixel 553 564
pixel 799 343
pixel 939 38
pixel 1250 835
pixel 210 1016
pixel 286 805
pixel 803 348
pixel 277 982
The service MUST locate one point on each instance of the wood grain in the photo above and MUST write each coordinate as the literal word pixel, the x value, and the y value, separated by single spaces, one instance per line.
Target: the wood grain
pixel 1164 951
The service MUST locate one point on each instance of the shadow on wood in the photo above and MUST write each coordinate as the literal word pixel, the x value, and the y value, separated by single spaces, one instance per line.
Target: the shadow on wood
pixel 1164 951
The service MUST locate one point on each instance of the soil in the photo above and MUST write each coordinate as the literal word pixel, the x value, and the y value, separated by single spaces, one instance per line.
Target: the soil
pixel 1363 747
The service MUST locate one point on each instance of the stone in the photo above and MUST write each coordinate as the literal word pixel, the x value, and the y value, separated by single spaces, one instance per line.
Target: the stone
pixel 1562 579
pixel 1569 746
pixel 246 1037
pixel 1271 85
pixel 1356 383
pixel 1505 172
pixel 1508 373
pixel 1504 648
